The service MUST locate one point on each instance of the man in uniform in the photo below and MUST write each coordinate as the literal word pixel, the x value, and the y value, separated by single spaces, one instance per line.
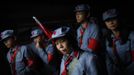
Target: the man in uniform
pixel 19 57
pixel 88 32
pixel 43 50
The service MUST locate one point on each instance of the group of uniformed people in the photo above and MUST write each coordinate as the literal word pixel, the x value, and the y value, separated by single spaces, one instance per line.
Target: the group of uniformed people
pixel 63 54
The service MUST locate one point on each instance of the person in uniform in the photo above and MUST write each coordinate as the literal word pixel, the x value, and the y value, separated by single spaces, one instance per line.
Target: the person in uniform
pixel 19 57
pixel 41 46
pixel 88 31
pixel 74 60
pixel 43 50
pixel 88 34
pixel 119 45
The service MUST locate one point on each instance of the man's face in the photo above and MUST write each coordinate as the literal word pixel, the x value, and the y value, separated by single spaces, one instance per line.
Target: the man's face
pixel 81 16
pixel 112 24
pixel 62 46
pixel 9 42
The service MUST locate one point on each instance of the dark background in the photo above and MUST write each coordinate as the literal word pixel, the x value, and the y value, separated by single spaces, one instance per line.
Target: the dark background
pixel 17 15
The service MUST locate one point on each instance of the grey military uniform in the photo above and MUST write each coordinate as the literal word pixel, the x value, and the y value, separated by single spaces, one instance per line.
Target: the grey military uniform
pixel 84 64
pixel 126 54
pixel 21 60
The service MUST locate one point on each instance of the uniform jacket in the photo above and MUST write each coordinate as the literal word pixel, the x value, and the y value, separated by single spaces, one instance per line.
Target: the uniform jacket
pixel 90 37
pixel 23 60
pixel 126 56
pixel 84 64
pixel 41 55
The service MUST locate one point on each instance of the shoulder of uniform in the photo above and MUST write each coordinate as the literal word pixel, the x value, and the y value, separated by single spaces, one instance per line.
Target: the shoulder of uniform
pixel 131 35
pixel 78 29
pixel 8 52
pixel 93 23
pixel 30 45
pixel 93 27
pixel 88 55
pixel 23 47
pixel 49 46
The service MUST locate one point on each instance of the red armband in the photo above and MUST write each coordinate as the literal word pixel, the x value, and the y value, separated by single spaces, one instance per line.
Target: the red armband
pixel 93 44
pixel 132 54
pixel 50 57
pixel 30 62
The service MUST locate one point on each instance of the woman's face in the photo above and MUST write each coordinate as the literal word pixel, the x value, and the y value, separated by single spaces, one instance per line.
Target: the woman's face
pixel 112 24
pixel 62 45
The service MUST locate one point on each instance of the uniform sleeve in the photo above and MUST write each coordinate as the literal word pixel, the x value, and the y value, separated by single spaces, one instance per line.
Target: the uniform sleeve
pixel 8 57
pixel 50 49
pixel 132 40
pixel 50 52
pixel 25 63
pixel 109 65
pixel 43 55
pixel 78 34
pixel 93 41
pixel 92 65
pixel 132 44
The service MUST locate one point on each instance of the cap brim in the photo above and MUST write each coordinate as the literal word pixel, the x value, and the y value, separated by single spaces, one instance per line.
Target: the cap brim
pixel 6 37
pixel 35 36
pixel 57 37
pixel 113 17
pixel 110 18
pixel 80 10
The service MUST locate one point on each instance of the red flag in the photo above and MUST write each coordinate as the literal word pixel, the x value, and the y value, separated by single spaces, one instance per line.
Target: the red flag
pixel 47 32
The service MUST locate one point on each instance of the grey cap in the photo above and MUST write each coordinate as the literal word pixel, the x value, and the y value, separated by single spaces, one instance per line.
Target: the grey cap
pixel 7 33
pixel 109 14
pixel 82 7
pixel 60 32
pixel 36 32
